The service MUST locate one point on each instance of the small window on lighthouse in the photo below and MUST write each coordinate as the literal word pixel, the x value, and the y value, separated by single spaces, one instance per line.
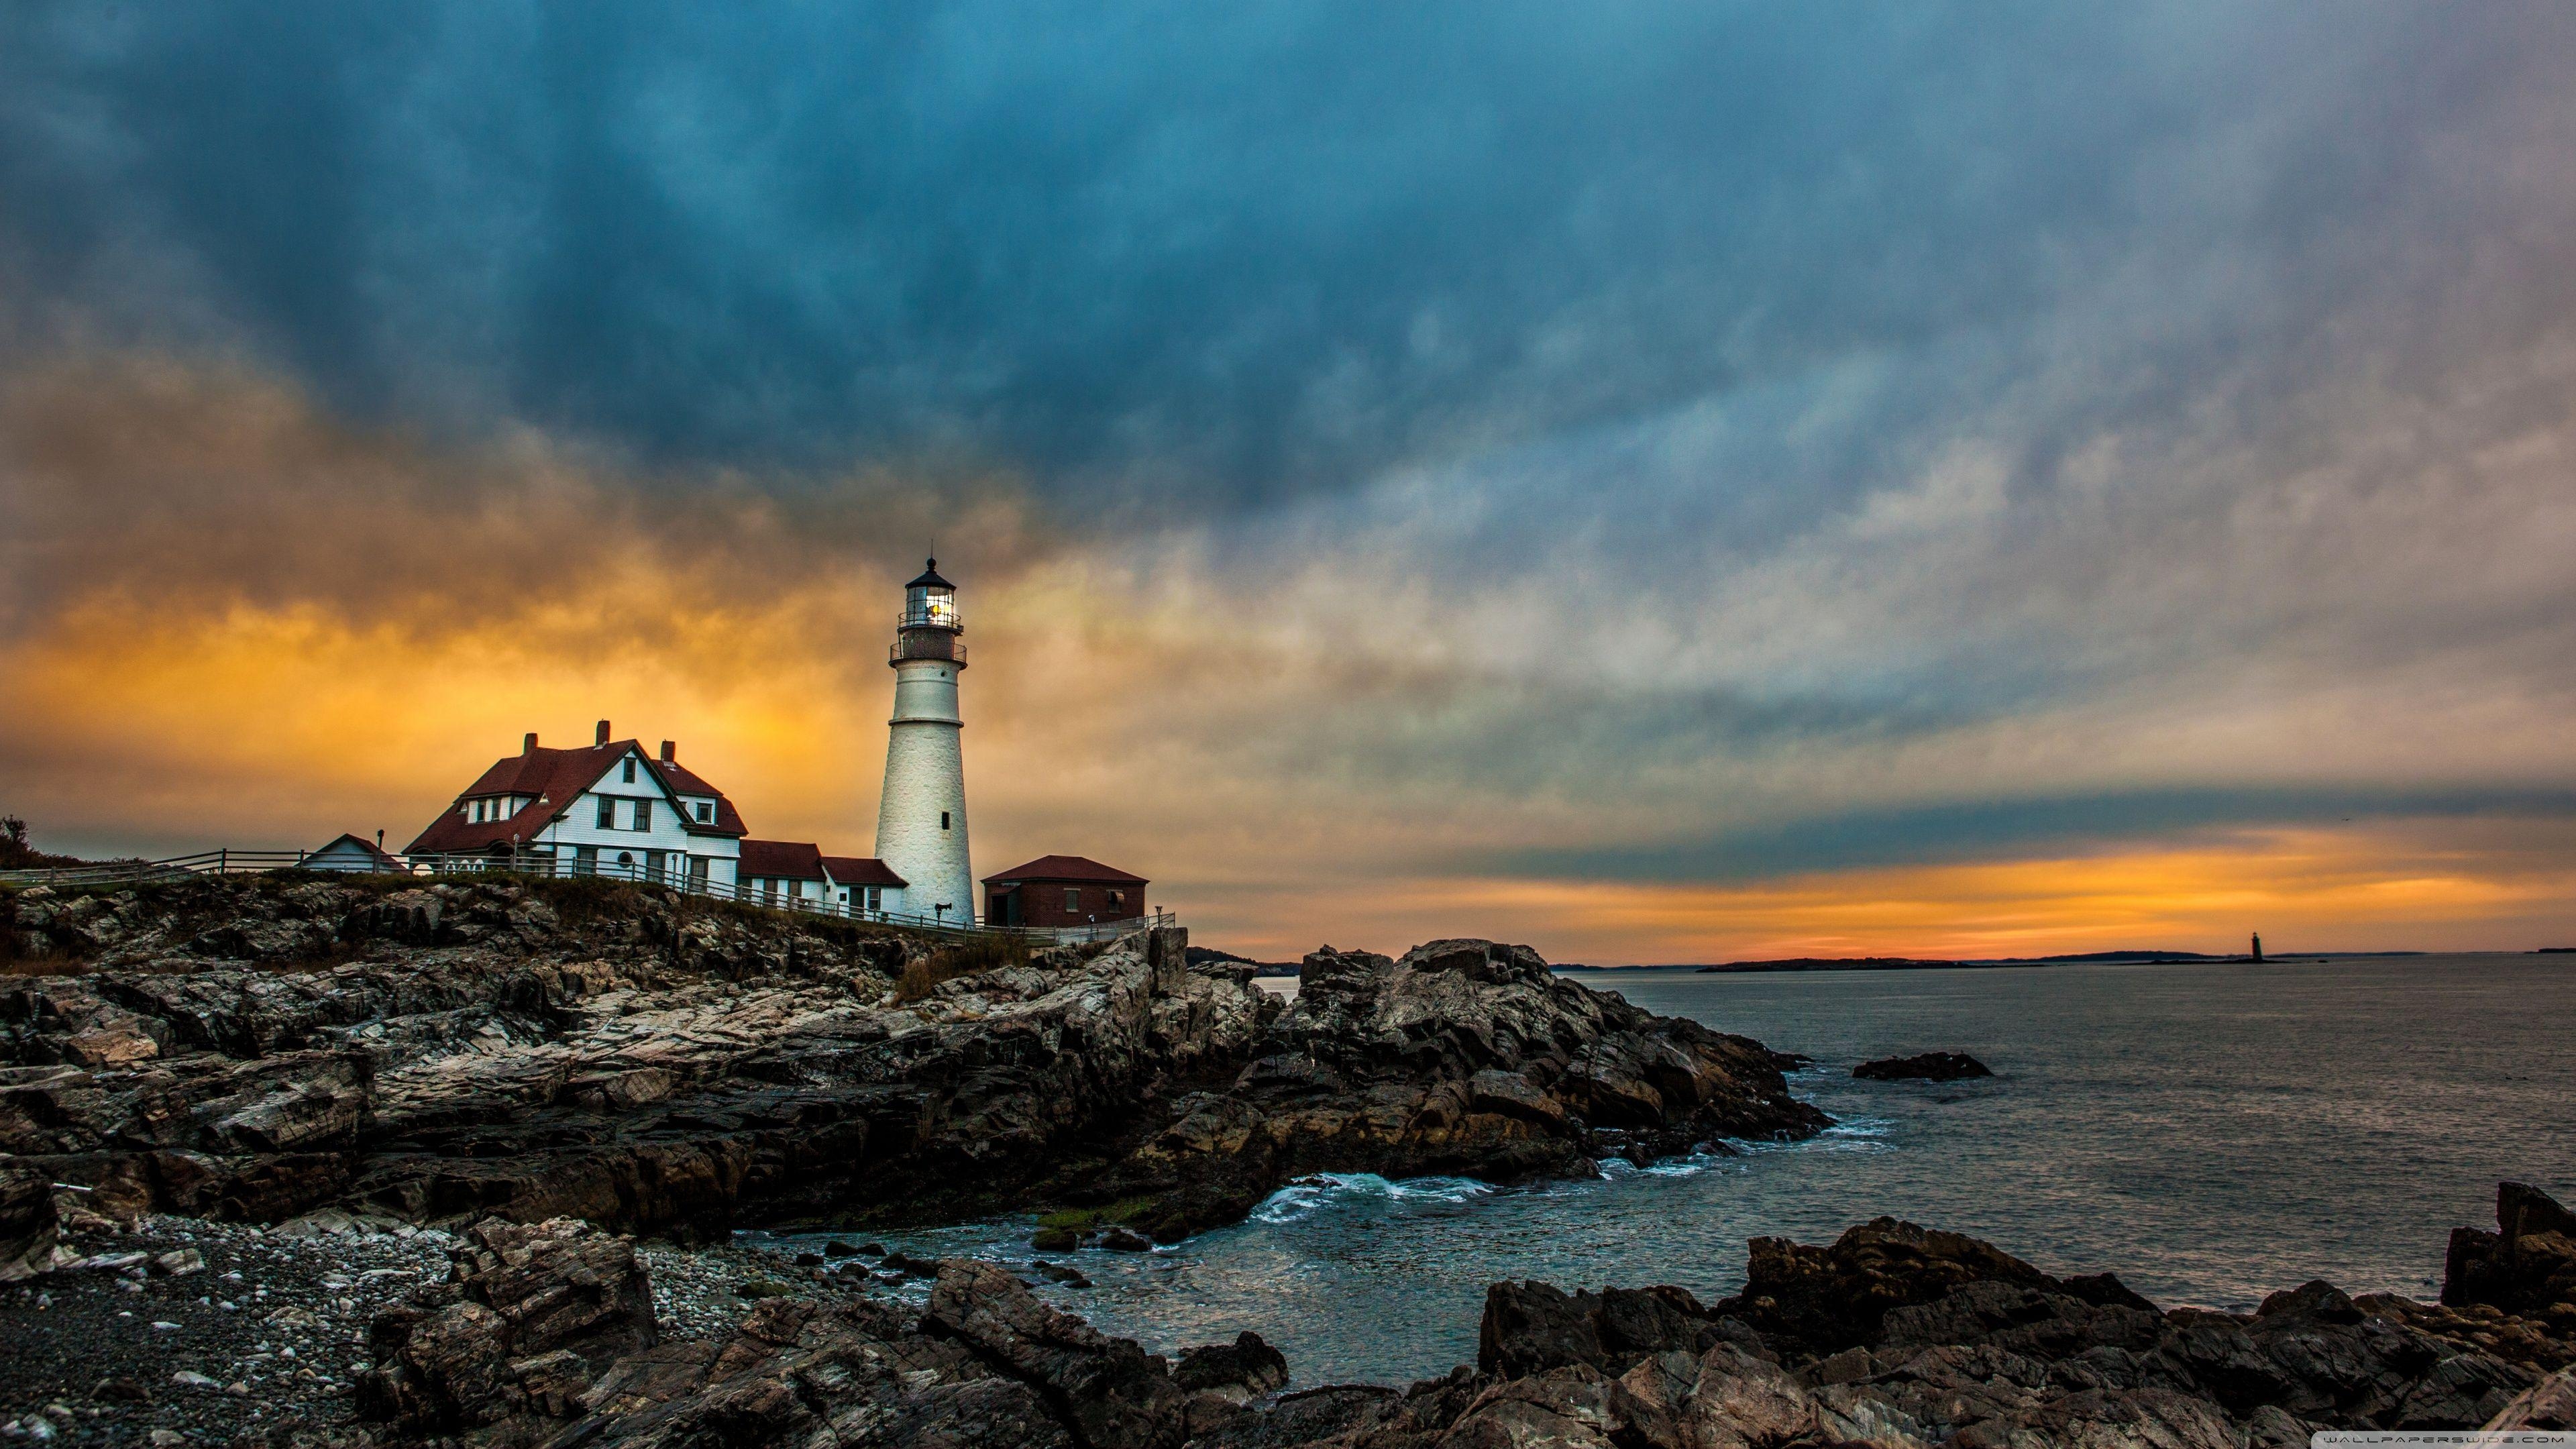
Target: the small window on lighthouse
pixel 943 819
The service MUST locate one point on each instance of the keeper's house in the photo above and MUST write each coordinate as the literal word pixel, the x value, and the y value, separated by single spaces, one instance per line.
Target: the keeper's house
pixel 610 809
pixel 613 810
pixel 1062 890
pixel 796 874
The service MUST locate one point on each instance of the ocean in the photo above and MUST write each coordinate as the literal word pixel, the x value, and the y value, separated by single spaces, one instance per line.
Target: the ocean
pixel 2208 1132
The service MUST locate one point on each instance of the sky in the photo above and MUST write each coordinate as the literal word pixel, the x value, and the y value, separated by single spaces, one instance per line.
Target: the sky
pixel 1661 482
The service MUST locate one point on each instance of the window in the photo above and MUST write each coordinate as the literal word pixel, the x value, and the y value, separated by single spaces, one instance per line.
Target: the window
pixel 608 812
pixel 943 819
pixel 706 811
pixel 625 865
pixel 697 872
pixel 768 891
pixel 630 769
pixel 1072 899
pixel 876 898
pixel 1117 900
pixel 585 860
pixel 643 814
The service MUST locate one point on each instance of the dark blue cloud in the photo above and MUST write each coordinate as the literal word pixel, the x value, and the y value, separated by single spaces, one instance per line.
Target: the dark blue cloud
pixel 2014 828
pixel 1187 258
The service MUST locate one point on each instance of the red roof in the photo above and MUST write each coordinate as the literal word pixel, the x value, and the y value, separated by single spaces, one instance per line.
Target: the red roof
pixel 373 851
pixel 556 779
pixel 784 859
pixel 1066 867
pixel 861 870
pixel 684 781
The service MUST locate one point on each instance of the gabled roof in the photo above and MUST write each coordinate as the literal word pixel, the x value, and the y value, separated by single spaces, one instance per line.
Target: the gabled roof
pixel 1066 867
pixel 861 870
pixel 556 779
pixel 784 859
pixel 372 850
pixel 684 781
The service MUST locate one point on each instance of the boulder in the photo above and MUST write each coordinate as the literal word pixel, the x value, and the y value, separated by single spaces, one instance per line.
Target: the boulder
pixel 2549 1404
pixel 534 1313
pixel 2527 1266
pixel 1822 1299
pixel 1107 1390
pixel 1929 1067
pixel 1247 1368
pixel 1532 1328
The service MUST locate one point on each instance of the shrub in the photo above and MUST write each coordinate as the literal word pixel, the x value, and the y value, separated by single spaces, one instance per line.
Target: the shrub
pixel 1082 1219
pixel 964 958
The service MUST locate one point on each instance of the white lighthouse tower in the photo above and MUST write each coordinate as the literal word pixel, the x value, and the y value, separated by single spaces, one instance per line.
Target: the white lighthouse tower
pixel 921 821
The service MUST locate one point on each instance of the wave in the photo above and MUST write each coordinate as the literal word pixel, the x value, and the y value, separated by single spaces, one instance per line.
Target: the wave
pixel 1620 1169
pixel 1306 1196
pixel 1849 1134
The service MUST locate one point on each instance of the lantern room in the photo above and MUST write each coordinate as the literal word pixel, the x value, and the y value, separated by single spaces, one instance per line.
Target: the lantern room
pixel 930 602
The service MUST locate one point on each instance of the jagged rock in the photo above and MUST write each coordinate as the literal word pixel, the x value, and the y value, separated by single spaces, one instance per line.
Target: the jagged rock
pixel 1929 1067
pixel 1531 1328
pixel 1108 1390
pixel 2549 1404
pixel 2527 1266
pixel 1461 1057
pixel 1244 1369
pixel 1819 1300
pixel 2533 1343
pixel 27 1220
pixel 533 1314
pixel 795 1368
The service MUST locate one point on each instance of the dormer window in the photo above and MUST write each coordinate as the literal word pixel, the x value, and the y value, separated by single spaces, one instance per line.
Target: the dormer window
pixel 706 812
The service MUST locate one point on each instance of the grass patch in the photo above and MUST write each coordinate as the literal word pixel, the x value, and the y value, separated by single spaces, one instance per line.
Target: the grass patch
pixel 965 958
pixel 1081 1219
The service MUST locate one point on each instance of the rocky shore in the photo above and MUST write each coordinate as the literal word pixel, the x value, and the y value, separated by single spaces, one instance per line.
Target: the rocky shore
pixel 557 1334
pixel 308 1161
pixel 255 1048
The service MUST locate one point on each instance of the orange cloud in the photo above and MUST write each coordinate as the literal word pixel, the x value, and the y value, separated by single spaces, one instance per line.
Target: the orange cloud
pixel 2492 885
pixel 230 620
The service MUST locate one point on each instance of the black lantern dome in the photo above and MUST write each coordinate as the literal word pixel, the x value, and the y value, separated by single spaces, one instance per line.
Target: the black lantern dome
pixel 930 602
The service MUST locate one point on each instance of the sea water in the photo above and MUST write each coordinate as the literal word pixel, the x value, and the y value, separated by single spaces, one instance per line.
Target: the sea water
pixel 2208 1132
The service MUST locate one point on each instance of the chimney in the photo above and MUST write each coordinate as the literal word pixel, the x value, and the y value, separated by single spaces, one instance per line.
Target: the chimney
pixel 670 751
pixel 380 840
pixel 603 733
pixel 529 745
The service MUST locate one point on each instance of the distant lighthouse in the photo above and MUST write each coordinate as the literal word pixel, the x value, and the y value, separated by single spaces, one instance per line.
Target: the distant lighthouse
pixel 921 820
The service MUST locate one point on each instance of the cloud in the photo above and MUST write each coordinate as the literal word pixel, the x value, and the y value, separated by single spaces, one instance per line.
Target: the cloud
pixel 1420 455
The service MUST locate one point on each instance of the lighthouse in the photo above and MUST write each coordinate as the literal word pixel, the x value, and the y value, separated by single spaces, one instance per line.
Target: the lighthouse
pixel 921 820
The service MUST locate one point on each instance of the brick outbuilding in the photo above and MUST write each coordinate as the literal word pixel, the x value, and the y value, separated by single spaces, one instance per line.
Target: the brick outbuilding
pixel 1062 890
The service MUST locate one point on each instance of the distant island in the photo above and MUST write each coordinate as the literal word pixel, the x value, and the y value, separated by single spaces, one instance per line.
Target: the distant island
pixel 1199 954
pixel 1914 963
